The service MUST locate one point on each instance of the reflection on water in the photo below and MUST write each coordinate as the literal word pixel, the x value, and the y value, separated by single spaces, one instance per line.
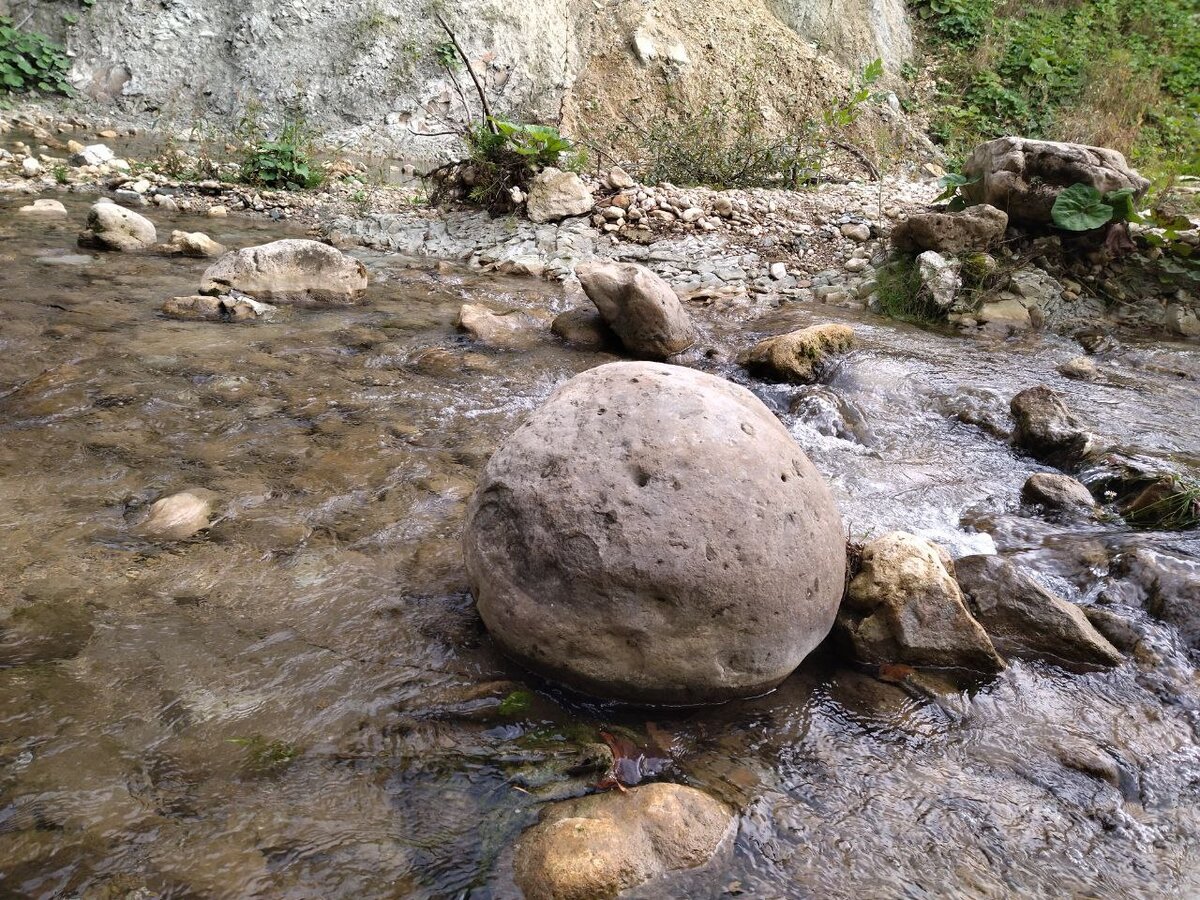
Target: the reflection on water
pixel 302 702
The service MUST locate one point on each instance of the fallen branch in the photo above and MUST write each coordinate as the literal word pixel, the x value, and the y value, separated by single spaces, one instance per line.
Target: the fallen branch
pixel 487 109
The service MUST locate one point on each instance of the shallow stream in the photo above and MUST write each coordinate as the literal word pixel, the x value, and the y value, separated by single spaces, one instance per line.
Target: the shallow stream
pixel 302 703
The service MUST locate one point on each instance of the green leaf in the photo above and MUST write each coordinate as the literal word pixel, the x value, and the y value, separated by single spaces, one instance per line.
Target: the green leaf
pixel 1080 208
pixel 1122 203
pixel 873 71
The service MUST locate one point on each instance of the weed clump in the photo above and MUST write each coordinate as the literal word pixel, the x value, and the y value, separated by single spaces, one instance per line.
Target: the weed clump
pixel 31 61
pixel 284 162
pixel 902 294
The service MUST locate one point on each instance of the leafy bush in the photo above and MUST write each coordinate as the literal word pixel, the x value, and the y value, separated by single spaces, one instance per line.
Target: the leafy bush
pixel 507 154
pixel 1081 207
pixel 285 162
pixel 31 61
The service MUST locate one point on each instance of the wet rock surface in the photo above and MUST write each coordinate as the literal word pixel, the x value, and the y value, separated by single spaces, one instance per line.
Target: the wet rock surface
pixel 800 355
pixel 1047 430
pixel 288 271
pixel 1060 494
pixel 639 307
pixel 111 227
pixel 664 497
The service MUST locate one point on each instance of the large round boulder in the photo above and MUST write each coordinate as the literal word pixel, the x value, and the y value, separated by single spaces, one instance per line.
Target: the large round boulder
pixel 654 534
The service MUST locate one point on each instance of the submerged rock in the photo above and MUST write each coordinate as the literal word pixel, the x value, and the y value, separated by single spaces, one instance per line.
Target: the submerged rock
pixel 597 846
pixel 640 307
pixel 179 516
pixel 195 244
pixel 229 308
pixel 974 229
pixel 1026 621
pixel 555 195
pixel 112 227
pixel 288 271
pixel 1080 368
pixel 585 328
pixel 1047 430
pixel 46 207
pixel 904 606
pixel 798 355
pixel 1023 177
pixel 1058 493
pixel 506 330
pixel 1166 586
pixel 640 500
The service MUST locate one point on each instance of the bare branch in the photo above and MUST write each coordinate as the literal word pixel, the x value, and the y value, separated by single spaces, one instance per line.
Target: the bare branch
pixel 487 109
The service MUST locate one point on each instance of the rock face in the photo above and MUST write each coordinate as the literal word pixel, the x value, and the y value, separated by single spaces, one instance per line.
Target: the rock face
pixel 1058 493
pixel 798 355
pixel 654 534
pixel 973 230
pixel 1026 621
pixel 229 308
pixel 640 307
pixel 904 606
pixel 597 846
pixel 179 516
pixel 1023 177
pixel 288 271
pixel 1047 430
pixel 555 195
pixel 112 227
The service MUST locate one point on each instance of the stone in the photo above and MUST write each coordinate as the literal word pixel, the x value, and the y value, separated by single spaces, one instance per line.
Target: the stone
pixel 217 212
pixel 723 206
pixel 556 195
pixel 799 355
pixel 1047 430
pixel 47 208
pixel 288 271
pixel 505 330
pixel 972 230
pixel 1166 586
pixel 1008 312
pixel 643 46
pixel 692 214
pixel 1080 368
pixel 585 328
pixel 941 277
pixel 92 155
pixel 1058 493
pixel 528 266
pixel 619 180
pixel 129 198
pixel 31 167
pixel 638 501
pixel 1023 177
pixel 1183 320
pixel 227 308
pixel 1026 621
pixel 179 516
pixel 597 846
pixel 857 231
pixel 195 244
pixel 640 307
pixel 904 606
pixel 779 271
pixel 112 227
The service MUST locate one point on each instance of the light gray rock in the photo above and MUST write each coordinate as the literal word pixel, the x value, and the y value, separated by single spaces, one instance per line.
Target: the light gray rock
pixel 44 208
pixel 972 230
pixel 1047 430
pixel 288 271
pixel 556 195
pixel 93 155
pixel 512 330
pixel 905 607
pixel 179 516
pixel 1058 493
pixel 1080 368
pixel 640 500
pixel 30 167
pixel 941 277
pixel 1023 177
pixel 195 244
pixel 112 227
pixel 226 308
pixel 640 307
pixel 1026 621
pixel 597 846
pixel 857 231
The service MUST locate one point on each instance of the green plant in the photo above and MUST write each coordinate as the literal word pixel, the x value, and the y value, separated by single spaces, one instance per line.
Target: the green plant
pixel 1172 504
pixel 447 56
pixel 843 113
pixel 61 174
pixel 1081 207
pixel 31 61
pixel 952 184
pixel 505 155
pixel 902 294
pixel 264 757
pixel 516 703
pixel 285 162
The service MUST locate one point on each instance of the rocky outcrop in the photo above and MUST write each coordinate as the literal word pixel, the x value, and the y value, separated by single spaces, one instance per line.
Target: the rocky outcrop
pixel 1059 494
pixel 556 195
pixel 1047 430
pixel 904 606
pixel 640 307
pixel 1023 177
pixel 972 230
pixel 640 500
pixel 179 516
pixel 1026 621
pixel 227 308
pixel 288 271
pixel 597 846
pixel 112 227
pixel 799 355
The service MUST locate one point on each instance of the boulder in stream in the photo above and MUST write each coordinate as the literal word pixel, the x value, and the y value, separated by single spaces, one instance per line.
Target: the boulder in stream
pixel 799 355
pixel 1059 494
pixel 640 307
pixel 45 208
pixel 227 308
pixel 511 330
pixel 1047 430
pixel 904 606
pixel 288 271
pixel 179 516
pixel 195 244
pixel 1026 621
pixel 585 328
pixel 653 533
pixel 597 846
pixel 112 227
pixel 1166 586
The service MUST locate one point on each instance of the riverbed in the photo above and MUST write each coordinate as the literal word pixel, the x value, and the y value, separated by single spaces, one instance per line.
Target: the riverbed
pixel 301 701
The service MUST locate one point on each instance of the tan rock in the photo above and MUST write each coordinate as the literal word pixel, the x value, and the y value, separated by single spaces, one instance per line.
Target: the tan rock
pixel 506 330
pixel 288 271
pixel 798 355
pixel 195 244
pixel 640 307
pixel 179 516
pixel 112 227
pixel 47 208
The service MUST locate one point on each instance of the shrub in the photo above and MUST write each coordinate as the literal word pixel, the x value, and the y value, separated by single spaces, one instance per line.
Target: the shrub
pixel 902 294
pixel 507 154
pixel 285 162
pixel 31 61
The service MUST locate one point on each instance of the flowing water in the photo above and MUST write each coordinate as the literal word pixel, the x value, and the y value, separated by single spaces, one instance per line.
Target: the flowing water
pixel 301 702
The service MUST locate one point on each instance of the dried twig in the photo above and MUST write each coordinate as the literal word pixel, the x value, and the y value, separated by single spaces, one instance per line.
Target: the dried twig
pixel 487 109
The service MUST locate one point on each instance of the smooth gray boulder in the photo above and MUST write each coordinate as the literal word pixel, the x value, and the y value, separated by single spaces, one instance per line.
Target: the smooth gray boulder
pixel 971 230
pixel 653 533
pixel 1023 177
pixel 112 227
pixel 640 307
pixel 905 607
pixel 1026 621
pixel 288 271
pixel 1047 430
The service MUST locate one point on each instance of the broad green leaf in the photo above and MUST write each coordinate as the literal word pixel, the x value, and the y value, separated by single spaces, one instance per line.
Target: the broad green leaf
pixel 1080 208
